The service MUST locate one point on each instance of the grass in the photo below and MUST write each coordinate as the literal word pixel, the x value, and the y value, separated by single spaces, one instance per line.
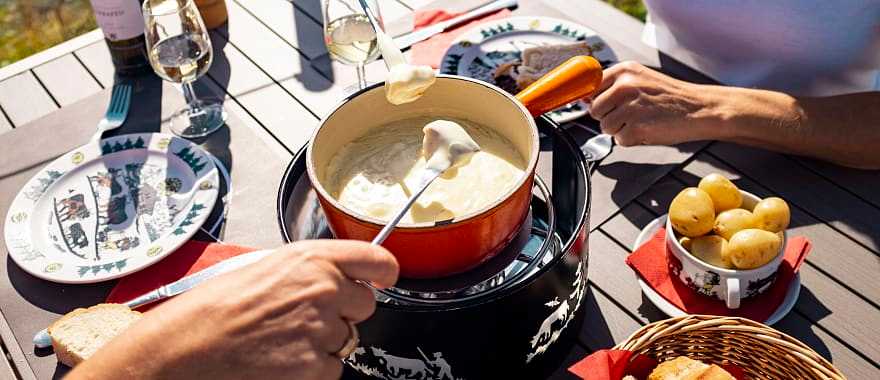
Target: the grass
pixel 633 8
pixel 30 26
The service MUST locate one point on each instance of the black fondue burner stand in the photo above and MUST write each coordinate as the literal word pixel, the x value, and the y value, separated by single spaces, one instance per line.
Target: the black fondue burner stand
pixel 514 317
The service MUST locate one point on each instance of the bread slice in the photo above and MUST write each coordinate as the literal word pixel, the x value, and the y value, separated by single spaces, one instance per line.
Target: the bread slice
pixel 714 372
pixel 80 333
pixel 539 60
pixel 676 369
pixel 684 368
pixel 536 61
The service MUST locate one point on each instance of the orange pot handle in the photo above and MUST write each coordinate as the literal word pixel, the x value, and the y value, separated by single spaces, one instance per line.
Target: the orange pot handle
pixel 574 79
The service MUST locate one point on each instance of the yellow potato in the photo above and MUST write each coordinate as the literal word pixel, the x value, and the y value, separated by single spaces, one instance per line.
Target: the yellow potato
pixel 710 249
pixel 772 214
pixel 685 243
pixel 732 221
pixel 692 213
pixel 752 248
pixel 725 195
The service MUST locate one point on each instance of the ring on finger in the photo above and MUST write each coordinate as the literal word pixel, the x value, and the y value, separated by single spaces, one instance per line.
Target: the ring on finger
pixel 351 343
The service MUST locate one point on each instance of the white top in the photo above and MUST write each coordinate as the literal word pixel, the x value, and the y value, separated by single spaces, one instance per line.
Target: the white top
pixel 802 47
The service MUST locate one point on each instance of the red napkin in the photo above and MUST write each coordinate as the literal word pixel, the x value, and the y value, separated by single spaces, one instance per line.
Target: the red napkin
pixel 430 52
pixel 615 364
pixel 651 263
pixel 189 258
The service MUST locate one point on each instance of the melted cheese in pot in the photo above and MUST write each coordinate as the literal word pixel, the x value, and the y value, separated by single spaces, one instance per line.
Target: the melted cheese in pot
pixel 376 173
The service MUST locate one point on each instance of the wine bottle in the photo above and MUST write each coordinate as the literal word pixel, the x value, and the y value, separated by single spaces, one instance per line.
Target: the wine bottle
pixel 122 22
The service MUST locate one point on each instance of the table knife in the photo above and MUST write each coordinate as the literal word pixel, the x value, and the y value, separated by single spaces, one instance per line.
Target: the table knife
pixel 411 38
pixel 42 339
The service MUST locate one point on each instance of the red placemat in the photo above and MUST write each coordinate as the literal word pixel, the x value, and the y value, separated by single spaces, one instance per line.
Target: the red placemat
pixel 189 258
pixel 653 265
pixel 430 52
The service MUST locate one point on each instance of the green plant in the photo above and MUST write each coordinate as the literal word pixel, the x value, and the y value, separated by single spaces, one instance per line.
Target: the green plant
pixel 30 26
pixel 633 8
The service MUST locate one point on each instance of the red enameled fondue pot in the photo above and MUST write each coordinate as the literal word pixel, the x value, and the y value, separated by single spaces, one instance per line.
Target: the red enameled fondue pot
pixel 438 249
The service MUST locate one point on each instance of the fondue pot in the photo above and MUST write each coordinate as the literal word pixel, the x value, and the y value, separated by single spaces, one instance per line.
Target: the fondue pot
pixel 444 248
pixel 510 318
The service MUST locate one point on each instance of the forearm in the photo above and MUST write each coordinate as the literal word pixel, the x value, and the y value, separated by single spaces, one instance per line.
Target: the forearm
pixel 843 129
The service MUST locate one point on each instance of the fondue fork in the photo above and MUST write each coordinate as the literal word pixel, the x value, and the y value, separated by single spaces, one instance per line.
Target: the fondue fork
pixel 391 54
pixel 428 176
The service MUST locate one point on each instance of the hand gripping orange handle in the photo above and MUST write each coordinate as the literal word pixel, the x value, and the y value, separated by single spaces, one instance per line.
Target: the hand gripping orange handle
pixel 574 79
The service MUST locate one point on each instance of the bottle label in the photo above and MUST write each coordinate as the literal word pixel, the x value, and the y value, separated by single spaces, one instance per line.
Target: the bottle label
pixel 119 19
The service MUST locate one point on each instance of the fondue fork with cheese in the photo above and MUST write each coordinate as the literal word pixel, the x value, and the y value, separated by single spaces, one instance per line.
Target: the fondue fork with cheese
pixel 375 174
pixel 446 145
pixel 405 82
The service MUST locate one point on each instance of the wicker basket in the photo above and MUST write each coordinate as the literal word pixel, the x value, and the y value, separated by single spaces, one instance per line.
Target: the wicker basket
pixel 760 351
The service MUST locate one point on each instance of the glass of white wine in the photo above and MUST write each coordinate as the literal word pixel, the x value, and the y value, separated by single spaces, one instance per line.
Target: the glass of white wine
pixel 179 50
pixel 349 36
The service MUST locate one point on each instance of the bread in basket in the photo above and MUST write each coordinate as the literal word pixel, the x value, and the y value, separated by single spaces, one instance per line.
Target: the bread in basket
pixel 760 351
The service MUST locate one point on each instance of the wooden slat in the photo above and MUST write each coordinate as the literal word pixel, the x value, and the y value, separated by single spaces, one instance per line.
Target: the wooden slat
pixel 575 355
pixel 66 79
pixel 657 198
pixel 794 324
pixel 417 4
pixel 292 127
pixel 280 113
pixel 626 224
pixel 608 270
pixel 232 105
pixel 24 99
pixel 49 54
pixel 6 372
pixel 14 355
pixel 403 3
pixel 4 124
pixel 863 183
pixel 282 62
pixel 96 58
pixel 844 359
pixel 628 172
pixel 291 23
pixel 390 9
pixel 830 305
pixel 836 255
pixel 797 185
pixel 606 324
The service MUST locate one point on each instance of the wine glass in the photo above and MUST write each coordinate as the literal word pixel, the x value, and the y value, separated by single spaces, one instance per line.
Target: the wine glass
pixel 179 50
pixel 349 36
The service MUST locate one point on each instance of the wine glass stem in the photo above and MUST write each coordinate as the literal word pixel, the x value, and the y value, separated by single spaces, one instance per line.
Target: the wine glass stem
pixel 362 79
pixel 189 93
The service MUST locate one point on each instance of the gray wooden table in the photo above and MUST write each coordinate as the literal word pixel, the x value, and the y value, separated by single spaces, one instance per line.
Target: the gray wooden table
pixel 271 67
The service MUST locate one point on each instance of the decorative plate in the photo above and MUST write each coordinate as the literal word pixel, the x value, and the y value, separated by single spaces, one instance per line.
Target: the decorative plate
pixel 477 52
pixel 108 209
pixel 794 289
